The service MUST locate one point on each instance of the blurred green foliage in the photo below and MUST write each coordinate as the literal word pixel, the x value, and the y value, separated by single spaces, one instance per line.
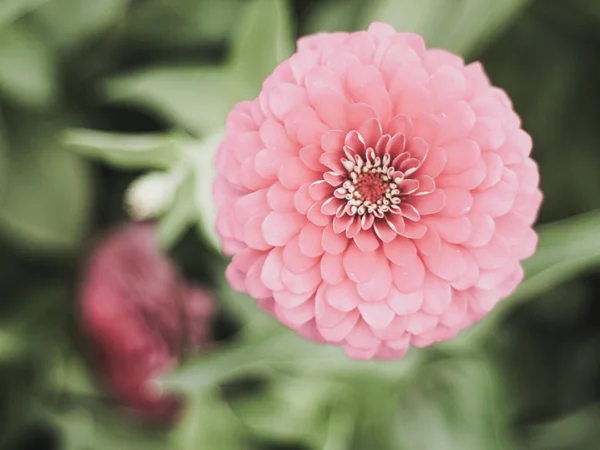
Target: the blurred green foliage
pixel 95 93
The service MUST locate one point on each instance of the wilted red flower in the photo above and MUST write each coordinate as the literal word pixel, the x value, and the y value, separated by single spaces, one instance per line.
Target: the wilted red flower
pixel 140 317
pixel 376 194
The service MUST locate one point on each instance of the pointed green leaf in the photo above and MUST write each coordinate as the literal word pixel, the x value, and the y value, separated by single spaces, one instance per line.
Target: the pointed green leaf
pixel 462 26
pixel 11 10
pixel 127 151
pixel 263 39
pixel 28 73
pixel 47 200
pixel 195 98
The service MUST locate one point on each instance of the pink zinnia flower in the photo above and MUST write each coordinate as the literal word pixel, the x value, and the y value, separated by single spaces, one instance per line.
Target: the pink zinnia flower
pixel 377 194
pixel 140 317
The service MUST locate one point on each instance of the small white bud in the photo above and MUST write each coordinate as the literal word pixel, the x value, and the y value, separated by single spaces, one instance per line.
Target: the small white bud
pixel 150 195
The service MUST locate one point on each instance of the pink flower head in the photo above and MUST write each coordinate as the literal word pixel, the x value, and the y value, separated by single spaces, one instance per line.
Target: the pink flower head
pixel 376 194
pixel 140 317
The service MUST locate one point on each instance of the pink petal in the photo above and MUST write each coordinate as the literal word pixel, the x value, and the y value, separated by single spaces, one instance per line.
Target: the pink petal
pixel 494 167
pixel 400 124
pixel 326 316
pixel 293 174
pixel 414 230
pixel 332 242
pixel 455 230
pixel 359 113
pixel 469 179
pixel 271 270
pixel 290 300
pixel 400 251
pixel 253 234
pixel 338 332
pixel 333 160
pixel 458 120
pixel 448 85
pixel 458 202
pixel 456 312
pixel 302 199
pixel 394 330
pixel 370 132
pixel 330 107
pixel 461 155
pixel 297 316
pixel 377 314
pixel 343 296
pixel 421 322
pixel 279 228
pixel 310 155
pixel 430 203
pixel 405 303
pixel 495 201
pixel 378 286
pixel 250 178
pixel 340 224
pixel 409 278
pixel 309 240
pixel 254 285
pixel 359 265
pixel 320 190
pixel 430 243
pixel 315 215
pixel 280 199
pixel 361 336
pixel 332 268
pixel 483 228
pixel 252 204
pixel 493 255
pixel 295 260
pixel 366 241
pixel 489 133
pixel 333 141
pixel 365 84
pixel 437 295
pixel 434 163
pixel 283 97
pixel 448 263
pixel 300 283
pixel 383 231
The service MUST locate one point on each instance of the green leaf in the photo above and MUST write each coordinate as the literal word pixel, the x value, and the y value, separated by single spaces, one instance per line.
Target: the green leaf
pixel 208 423
pixel 180 216
pixel 99 428
pixel 196 98
pixel 10 345
pixel 334 15
pixel 11 10
pixel 263 39
pixel 170 23
pixel 203 154
pixel 462 26
pixel 28 73
pixel 47 201
pixel 292 409
pixel 575 431
pixel 275 347
pixel 126 151
pixel 453 404
pixel 69 23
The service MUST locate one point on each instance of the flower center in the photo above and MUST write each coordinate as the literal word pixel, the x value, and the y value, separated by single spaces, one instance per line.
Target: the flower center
pixel 370 188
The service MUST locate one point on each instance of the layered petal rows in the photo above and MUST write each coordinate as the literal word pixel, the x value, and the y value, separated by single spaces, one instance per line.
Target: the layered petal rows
pixel 376 194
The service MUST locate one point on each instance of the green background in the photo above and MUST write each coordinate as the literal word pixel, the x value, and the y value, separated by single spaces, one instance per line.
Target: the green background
pixel 94 94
